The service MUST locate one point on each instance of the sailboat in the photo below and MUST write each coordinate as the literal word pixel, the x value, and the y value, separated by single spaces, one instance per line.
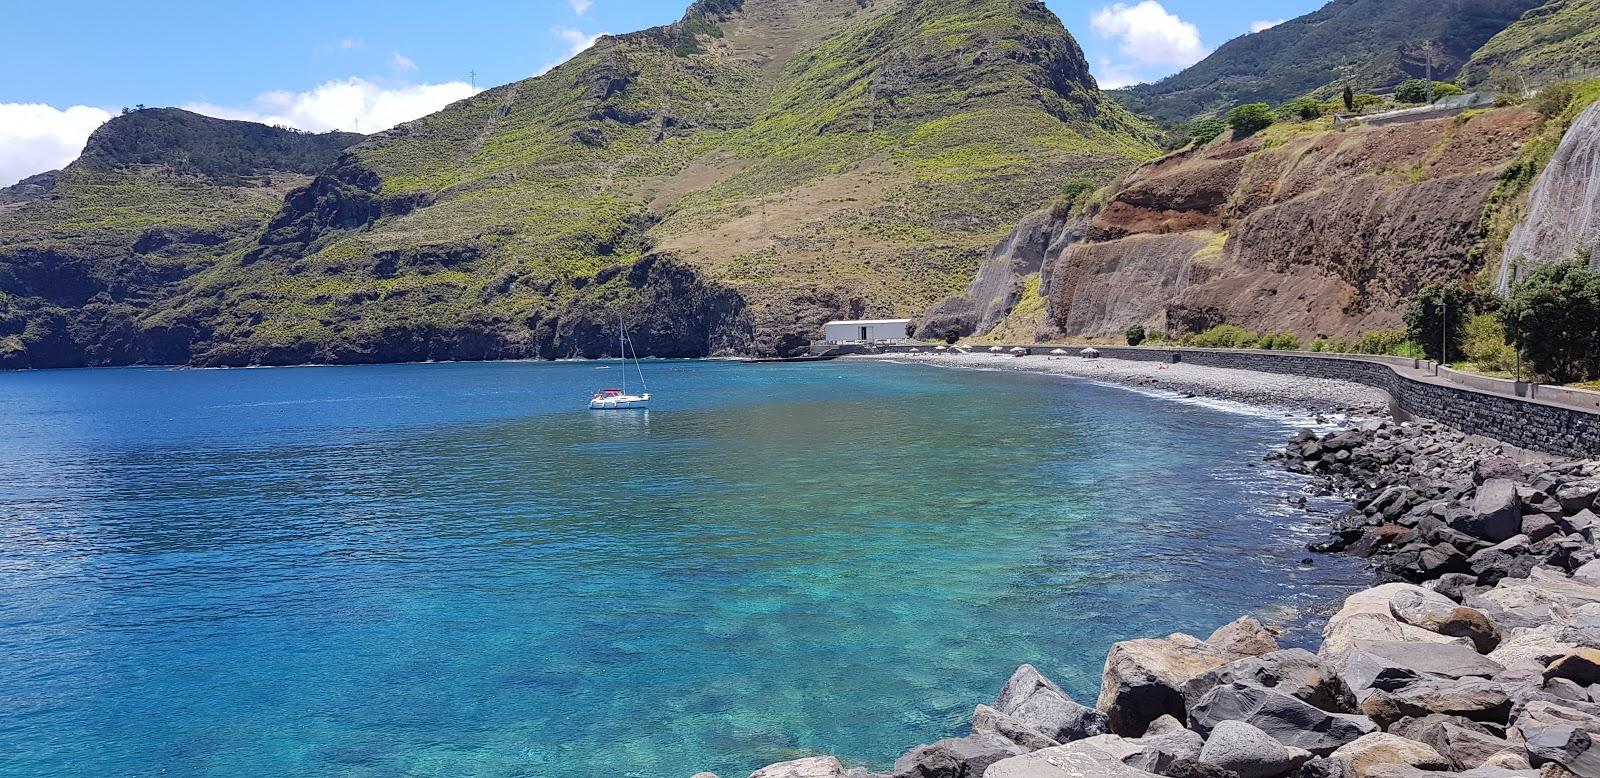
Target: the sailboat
pixel 620 399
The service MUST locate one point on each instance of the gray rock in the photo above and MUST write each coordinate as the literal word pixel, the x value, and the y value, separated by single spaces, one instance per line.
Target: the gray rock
pixel 1039 703
pixel 988 721
pixel 1496 512
pixel 1284 718
pixel 1581 666
pixel 1577 495
pixel 964 757
pixel 815 767
pixel 1244 638
pixel 1194 768
pixel 1473 698
pixel 1143 678
pixel 1160 752
pixel 1166 725
pixel 1380 748
pixel 1512 558
pixel 1293 671
pixel 1250 752
pixel 1076 760
pixel 1449 661
pixel 1555 733
pixel 1467 744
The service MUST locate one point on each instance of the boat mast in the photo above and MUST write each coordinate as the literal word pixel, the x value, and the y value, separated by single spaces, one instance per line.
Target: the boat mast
pixel 622 343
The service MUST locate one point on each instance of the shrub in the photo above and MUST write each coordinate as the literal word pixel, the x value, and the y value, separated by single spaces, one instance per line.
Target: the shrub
pixel 1380 342
pixel 952 335
pixel 1554 99
pixel 1413 90
pixel 911 329
pixel 1287 341
pixel 1366 100
pixel 1206 130
pixel 1136 335
pixel 1265 341
pixel 1438 307
pixel 1303 108
pixel 1446 90
pixel 1554 318
pixel 1156 336
pixel 1249 119
pixel 1338 346
pixel 1408 349
pixel 1487 345
pixel 1225 336
pixel 1318 346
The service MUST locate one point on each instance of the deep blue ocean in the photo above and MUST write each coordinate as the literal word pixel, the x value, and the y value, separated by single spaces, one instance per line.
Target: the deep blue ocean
pixel 457 570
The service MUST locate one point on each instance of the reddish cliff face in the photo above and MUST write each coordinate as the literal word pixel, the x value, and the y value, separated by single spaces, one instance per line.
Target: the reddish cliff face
pixel 1323 234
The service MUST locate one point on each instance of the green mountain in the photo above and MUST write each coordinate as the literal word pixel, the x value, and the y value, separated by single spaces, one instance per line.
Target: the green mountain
pixel 89 252
pixel 1370 45
pixel 1557 40
pixel 727 183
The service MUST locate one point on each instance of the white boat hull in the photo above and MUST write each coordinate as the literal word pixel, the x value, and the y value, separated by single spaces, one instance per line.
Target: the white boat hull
pixel 620 403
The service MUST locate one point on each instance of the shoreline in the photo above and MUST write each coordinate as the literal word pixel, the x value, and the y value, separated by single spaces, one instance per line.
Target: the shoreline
pixel 1271 394
pixel 1476 651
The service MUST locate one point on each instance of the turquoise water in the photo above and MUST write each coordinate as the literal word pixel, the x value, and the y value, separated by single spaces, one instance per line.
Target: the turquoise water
pixel 455 570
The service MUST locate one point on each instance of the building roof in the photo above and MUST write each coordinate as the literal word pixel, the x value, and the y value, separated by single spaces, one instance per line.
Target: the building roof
pixel 868 322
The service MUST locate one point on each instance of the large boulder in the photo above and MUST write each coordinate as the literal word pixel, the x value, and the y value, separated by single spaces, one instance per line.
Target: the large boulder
pixel 1292 671
pixel 1369 617
pixel 814 767
pixel 1038 702
pixel 1244 638
pixel 988 721
pixel 1496 512
pixel 1447 619
pixel 1075 760
pixel 1284 718
pixel 1381 748
pixel 1143 679
pixel 1578 495
pixel 1158 753
pixel 1250 752
pixel 1555 733
pixel 1475 699
pixel 963 757
pixel 1467 744
pixel 1390 666
pixel 1581 666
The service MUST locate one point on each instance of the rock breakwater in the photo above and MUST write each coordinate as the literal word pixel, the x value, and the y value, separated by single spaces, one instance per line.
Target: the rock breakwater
pixel 1476 654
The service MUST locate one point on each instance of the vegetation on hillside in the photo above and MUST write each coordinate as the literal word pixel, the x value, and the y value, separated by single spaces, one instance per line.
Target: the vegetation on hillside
pixel 1370 45
pixel 1557 40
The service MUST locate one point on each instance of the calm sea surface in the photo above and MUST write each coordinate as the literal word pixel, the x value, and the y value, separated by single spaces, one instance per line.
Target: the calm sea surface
pixel 456 570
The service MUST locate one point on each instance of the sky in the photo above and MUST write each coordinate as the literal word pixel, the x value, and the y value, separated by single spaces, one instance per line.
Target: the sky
pixel 68 66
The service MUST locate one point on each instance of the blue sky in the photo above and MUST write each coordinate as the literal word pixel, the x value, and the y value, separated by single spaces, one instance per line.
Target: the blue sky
pixel 366 65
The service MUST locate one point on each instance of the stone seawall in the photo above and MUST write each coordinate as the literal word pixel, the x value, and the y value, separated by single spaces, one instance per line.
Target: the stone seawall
pixel 1524 422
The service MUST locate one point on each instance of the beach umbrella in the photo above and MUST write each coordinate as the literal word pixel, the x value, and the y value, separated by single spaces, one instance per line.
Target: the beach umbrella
pixel 1060 352
pixel 1090 353
pixel 915 350
pixel 942 348
pixel 1019 350
pixel 995 349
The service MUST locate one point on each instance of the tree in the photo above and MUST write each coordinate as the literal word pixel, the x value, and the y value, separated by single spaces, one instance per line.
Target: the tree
pixel 1349 99
pixel 1249 119
pixel 1437 318
pixel 1553 317
pixel 1136 335
pixel 1442 90
pixel 1412 91
pixel 952 335
pixel 911 329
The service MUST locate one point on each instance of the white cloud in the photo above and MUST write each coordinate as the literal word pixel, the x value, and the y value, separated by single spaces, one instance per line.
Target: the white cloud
pixel 35 138
pixel 1149 34
pixel 1265 24
pixel 581 7
pixel 354 104
pixel 1111 75
pixel 351 44
pixel 402 62
pixel 578 42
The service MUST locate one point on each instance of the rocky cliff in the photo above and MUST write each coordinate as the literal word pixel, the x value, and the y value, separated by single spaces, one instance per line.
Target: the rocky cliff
pixel 1563 210
pixel 1313 231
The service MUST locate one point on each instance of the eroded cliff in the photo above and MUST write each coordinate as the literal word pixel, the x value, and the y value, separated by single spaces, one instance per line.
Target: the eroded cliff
pixel 1319 232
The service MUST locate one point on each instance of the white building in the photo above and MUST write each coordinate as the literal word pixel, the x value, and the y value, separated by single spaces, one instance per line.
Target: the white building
pixel 873 331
